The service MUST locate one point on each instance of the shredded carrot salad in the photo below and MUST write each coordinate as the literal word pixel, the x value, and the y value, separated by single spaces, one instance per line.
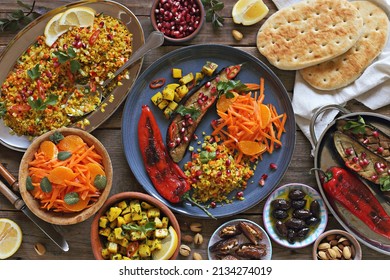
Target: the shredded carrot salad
pixel 63 175
pixel 247 126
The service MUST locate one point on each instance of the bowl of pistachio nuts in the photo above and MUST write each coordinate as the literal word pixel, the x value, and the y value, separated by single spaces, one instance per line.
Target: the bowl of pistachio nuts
pixel 336 245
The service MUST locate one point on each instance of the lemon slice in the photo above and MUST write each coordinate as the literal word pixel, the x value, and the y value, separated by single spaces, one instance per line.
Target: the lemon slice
pixel 10 238
pixel 248 12
pixel 79 16
pixel 53 29
pixel 168 246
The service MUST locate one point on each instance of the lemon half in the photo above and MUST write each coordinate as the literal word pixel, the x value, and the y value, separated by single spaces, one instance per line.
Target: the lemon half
pixel 168 246
pixel 10 238
pixel 248 12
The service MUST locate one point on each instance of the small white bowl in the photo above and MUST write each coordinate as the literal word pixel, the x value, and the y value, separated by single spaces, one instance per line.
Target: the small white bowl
pixel 269 220
pixel 241 239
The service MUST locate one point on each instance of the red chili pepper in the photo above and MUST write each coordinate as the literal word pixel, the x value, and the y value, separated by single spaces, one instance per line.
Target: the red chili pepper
pixel 94 37
pixel 41 89
pixel 166 175
pixel 233 71
pixel 355 196
pixel 157 83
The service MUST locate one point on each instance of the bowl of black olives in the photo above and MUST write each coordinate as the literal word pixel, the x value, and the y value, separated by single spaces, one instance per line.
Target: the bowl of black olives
pixel 295 215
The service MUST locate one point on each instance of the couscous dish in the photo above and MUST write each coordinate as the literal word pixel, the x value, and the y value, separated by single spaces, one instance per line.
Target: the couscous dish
pixel 214 173
pixel 33 97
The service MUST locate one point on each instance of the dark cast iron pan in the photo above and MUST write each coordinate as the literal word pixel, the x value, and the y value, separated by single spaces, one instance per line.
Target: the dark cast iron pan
pixel 325 156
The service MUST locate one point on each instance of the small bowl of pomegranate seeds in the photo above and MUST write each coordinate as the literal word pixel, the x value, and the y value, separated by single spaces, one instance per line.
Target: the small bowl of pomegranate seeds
pixel 179 20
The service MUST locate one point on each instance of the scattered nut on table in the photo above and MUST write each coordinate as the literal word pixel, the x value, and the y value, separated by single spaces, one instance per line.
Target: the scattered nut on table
pixel 40 249
pixel 187 238
pixel 196 227
pixel 198 239
pixel 184 250
pixel 197 256
pixel 237 35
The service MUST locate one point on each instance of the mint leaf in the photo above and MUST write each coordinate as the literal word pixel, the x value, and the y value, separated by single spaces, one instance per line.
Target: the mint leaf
pixel 56 137
pixel 71 198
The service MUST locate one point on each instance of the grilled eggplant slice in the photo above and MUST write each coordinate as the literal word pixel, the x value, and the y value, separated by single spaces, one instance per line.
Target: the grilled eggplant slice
pixel 367 134
pixel 183 125
pixel 363 161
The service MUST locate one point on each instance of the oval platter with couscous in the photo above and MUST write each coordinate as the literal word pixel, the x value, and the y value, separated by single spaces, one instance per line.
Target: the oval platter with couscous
pixel 45 60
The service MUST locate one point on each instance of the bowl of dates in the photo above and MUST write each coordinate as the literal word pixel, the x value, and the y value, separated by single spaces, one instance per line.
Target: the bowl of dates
pixel 240 239
pixel 295 215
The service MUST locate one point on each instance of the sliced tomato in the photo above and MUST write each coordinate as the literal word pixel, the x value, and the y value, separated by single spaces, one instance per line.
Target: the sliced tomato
pixel 94 37
pixel 20 108
pixel 132 248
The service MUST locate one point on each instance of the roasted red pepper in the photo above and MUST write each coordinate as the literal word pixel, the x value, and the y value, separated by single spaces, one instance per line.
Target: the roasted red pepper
pixel 345 188
pixel 166 175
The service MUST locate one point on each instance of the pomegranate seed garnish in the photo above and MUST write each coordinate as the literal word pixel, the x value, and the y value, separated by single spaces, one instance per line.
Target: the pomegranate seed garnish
pixel 213 204
pixel 240 194
pixel 380 150
pixel 375 133
pixel 273 166
pixel 349 151
pixel 261 182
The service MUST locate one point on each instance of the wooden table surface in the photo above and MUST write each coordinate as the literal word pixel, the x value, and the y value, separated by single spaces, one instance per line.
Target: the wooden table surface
pixel 109 133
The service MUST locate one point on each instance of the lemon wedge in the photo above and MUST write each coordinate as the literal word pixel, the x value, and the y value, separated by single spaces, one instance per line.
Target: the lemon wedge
pixel 53 29
pixel 248 12
pixel 10 238
pixel 168 246
pixel 79 16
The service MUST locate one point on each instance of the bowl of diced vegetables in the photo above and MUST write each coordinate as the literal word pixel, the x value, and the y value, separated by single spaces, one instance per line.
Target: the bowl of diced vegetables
pixel 135 226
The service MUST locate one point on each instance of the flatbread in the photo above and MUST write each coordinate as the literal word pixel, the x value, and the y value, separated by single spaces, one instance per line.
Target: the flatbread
pixel 309 32
pixel 345 69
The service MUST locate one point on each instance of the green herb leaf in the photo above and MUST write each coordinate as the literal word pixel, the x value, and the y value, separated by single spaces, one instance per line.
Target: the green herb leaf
pixel 226 87
pixel 71 198
pixel 74 66
pixel 63 155
pixel 384 183
pixel 56 137
pixel 195 113
pixel 62 56
pixel 34 73
pixel 100 182
pixel 45 185
pixel 17 19
pixel 71 52
pixel 29 184
pixel 356 127
pixel 149 226
pixel 3 109
pixel 41 105
pixel 212 8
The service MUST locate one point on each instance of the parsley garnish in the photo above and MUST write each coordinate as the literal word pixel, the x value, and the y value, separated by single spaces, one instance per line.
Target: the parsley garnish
pixel 70 56
pixel 384 183
pixel 195 113
pixel 40 104
pixel 226 87
pixel 3 109
pixel 34 73
pixel 149 226
pixel 356 127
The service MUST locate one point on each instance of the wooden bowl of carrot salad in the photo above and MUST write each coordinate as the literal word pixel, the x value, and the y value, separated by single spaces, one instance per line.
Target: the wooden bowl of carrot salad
pixel 65 176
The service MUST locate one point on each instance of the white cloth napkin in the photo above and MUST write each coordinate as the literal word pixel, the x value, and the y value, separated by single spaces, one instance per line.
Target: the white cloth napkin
pixel 372 88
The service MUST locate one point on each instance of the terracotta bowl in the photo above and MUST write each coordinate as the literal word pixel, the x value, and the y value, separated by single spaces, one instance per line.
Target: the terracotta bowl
pixel 97 241
pixel 340 239
pixel 165 14
pixel 58 218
